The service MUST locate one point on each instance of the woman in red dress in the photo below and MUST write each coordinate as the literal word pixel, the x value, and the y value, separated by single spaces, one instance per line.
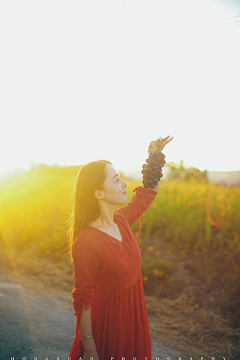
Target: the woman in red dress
pixel 108 293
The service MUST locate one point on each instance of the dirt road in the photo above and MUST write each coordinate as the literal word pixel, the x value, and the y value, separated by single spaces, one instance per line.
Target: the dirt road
pixel 35 326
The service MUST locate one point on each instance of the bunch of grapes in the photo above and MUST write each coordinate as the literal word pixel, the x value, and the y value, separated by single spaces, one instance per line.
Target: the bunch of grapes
pixel 152 171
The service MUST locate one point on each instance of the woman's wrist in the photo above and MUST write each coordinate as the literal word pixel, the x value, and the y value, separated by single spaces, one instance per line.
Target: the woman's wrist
pixel 89 345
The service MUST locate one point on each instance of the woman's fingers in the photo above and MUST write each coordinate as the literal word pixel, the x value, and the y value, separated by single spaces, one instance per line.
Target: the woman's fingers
pixel 159 144
pixel 165 141
pixel 168 140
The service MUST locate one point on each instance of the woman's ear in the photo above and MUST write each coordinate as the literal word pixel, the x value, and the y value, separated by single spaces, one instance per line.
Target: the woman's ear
pixel 98 195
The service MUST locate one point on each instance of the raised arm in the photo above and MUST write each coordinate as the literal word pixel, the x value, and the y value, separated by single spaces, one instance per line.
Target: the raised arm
pixel 152 172
pixel 138 204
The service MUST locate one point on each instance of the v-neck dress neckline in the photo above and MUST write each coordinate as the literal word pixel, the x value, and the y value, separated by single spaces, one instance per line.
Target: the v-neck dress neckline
pixel 108 234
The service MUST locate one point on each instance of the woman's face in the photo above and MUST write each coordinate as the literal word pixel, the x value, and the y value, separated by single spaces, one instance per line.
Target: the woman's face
pixel 114 187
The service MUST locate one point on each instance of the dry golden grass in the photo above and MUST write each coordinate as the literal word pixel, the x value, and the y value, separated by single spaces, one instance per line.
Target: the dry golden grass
pixel 192 329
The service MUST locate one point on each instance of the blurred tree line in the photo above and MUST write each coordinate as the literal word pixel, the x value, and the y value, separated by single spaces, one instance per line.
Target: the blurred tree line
pixel 180 172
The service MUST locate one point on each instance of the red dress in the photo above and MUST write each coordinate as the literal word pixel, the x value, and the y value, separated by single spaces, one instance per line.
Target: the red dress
pixel 107 275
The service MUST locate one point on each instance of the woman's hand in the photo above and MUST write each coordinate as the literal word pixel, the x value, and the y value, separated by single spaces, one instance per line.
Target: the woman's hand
pixel 92 354
pixel 159 144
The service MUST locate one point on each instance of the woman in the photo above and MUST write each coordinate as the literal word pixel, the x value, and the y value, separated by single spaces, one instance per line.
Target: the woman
pixel 108 294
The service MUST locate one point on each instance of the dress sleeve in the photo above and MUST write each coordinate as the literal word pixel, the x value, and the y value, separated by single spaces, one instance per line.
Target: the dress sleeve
pixel 86 264
pixel 139 203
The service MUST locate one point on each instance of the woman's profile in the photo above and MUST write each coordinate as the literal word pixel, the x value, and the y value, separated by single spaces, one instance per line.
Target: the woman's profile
pixel 108 293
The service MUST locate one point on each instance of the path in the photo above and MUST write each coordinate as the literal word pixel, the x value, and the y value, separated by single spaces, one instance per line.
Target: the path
pixel 36 326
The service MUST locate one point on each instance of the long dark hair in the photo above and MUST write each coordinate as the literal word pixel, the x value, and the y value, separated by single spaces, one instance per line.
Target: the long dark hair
pixel 85 206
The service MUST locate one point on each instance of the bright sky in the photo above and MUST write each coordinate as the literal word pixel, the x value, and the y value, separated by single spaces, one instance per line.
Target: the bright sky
pixel 89 80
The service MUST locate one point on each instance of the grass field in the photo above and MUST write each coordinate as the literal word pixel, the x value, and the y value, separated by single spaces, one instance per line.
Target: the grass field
pixel 196 220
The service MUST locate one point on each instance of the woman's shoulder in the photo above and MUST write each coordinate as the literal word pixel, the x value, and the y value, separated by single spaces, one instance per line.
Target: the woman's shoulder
pixel 85 237
pixel 88 241
pixel 86 234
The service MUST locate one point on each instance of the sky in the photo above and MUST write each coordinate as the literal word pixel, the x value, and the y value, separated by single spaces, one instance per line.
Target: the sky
pixel 90 80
